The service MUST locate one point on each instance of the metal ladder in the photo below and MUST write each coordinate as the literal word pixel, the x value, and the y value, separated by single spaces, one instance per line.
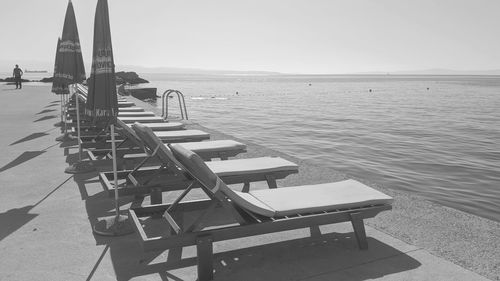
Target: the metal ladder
pixel 182 104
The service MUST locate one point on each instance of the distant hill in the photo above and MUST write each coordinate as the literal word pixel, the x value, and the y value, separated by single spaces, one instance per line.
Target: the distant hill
pixel 180 70
pixel 6 66
pixel 439 71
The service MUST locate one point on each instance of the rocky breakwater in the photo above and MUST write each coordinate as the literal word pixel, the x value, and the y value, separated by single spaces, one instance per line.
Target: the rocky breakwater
pixel 130 77
pixel 12 80
pixel 122 77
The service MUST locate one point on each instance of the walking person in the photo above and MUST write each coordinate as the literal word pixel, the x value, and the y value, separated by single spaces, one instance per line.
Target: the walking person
pixel 17 73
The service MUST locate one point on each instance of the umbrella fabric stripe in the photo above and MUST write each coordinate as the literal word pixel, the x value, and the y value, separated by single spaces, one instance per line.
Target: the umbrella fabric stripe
pixel 57 88
pixel 101 112
pixel 60 90
pixel 102 63
pixel 70 46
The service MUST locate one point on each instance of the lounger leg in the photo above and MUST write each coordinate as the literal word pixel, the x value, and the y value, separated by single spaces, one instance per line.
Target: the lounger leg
pixel 156 198
pixel 359 230
pixel 271 181
pixel 246 187
pixel 204 248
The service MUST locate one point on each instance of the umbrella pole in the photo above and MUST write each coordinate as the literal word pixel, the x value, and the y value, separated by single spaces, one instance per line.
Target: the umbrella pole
pixel 80 166
pixel 64 137
pixel 115 170
pixel 78 126
pixel 60 106
pixel 117 225
pixel 65 115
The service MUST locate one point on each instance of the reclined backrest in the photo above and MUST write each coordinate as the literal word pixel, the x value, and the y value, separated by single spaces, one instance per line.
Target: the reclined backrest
pixel 128 132
pixel 195 166
pixel 151 142
pixel 81 92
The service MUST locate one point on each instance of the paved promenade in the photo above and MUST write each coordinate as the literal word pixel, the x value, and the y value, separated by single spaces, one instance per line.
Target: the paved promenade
pixel 46 219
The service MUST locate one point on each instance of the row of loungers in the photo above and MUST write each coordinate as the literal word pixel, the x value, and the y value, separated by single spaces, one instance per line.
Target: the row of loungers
pixel 179 160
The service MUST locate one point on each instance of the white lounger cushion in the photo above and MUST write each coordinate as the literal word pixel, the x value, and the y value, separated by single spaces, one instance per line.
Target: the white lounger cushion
pixel 320 197
pixel 131 109
pixel 250 166
pixel 165 126
pixel 181 134
pixel 216 146
pixel 135 113
pixel 213 146
pixel 152 119
pixel 288 200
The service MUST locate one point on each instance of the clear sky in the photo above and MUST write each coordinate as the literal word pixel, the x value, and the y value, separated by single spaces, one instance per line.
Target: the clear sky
pixel 294 36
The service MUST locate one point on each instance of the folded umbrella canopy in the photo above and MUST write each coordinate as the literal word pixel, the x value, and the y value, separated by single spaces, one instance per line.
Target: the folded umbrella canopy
pixel 102 101
pixel 69 61
pixel 102 105
pixel 57 87
pixel 70 67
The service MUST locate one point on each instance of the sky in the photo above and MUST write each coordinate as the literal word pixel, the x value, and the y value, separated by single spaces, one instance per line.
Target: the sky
pixel 290 36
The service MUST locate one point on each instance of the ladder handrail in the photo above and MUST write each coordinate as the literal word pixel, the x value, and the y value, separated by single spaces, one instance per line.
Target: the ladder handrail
pixel 180 98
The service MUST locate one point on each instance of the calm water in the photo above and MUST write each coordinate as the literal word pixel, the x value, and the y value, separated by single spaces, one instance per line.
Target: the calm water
pixel 434 136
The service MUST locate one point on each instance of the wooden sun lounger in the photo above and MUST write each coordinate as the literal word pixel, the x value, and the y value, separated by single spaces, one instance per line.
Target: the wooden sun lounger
pixel 253 213
pixel 164 136
pixel 72 110
pixel 130 152
pixel 166 177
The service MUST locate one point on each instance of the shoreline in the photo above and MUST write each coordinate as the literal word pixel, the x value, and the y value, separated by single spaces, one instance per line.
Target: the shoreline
pixel 462 238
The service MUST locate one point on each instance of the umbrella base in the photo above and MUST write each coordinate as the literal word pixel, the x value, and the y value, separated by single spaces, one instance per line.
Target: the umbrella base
pixel 80 167
pixel 113 226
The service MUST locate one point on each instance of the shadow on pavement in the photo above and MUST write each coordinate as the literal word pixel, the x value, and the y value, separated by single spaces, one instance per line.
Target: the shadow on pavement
pixel 25 156
pixel 14 219
pixel 45 118
pixel 316 258
pixel 45 111
pixel 30 137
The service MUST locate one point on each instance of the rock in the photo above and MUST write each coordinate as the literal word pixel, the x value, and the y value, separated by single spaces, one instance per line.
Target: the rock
pixel 47 80
pixel 129 78
pixel 11 79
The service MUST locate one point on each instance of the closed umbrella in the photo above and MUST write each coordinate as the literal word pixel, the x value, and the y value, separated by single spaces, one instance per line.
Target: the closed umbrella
pixel 57 88
pixel 102 105
pixel 71 70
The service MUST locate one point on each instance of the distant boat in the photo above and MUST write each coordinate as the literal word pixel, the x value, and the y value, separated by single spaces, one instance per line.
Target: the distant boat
pixel 35 71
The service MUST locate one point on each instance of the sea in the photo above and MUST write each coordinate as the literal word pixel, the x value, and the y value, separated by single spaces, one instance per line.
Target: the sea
pixel 434 136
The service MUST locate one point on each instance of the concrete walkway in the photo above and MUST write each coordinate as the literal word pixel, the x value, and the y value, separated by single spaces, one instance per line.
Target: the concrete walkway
pixel 46 219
